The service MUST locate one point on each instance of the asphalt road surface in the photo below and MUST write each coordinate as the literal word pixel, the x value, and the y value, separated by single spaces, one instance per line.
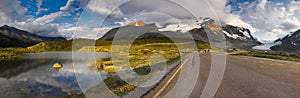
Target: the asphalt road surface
pixel 244 77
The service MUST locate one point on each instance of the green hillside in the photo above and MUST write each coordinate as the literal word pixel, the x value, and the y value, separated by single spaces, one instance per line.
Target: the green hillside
pixel 100 46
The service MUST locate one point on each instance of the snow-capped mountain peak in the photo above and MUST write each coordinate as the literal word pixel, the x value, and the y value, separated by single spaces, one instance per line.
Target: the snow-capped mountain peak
pixel 290 42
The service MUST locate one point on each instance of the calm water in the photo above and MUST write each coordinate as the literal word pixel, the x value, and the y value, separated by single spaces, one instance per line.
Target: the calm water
pixel 36 78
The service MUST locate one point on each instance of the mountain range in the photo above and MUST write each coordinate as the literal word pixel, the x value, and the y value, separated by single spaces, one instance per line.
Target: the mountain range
pixel 236 37
pixel 209 32
pixel 13 37
pixel 290 43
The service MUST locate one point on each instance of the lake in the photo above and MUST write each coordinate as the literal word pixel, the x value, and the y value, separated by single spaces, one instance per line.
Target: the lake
pixel 33 76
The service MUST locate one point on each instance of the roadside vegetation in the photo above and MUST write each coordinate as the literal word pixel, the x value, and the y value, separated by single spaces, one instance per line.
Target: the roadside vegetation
pixel 272 55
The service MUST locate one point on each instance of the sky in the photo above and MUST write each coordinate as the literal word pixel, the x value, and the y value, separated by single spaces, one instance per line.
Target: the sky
pixel 268 20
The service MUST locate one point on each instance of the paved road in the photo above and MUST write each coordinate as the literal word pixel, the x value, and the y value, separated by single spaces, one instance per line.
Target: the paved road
pixel 244 77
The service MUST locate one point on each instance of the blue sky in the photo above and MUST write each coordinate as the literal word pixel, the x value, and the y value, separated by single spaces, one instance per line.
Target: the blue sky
pixel 51 7
pixel 267 19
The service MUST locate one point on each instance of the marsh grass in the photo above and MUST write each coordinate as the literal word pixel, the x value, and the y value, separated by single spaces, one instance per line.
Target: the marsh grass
pixel 11 53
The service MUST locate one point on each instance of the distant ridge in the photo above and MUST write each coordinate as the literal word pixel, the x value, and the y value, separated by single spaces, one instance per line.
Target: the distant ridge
pixel 13 37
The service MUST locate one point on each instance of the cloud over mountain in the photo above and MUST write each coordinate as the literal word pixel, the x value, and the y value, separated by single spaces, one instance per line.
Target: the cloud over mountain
pixel 271 19
pixel 268 19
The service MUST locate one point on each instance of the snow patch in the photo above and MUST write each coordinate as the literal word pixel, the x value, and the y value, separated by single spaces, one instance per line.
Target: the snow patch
pixel 179 27
pixel 234 36
pixel 229 35
pixel 293 43
pixel 278 43
pixel 245 33
pixel 289 35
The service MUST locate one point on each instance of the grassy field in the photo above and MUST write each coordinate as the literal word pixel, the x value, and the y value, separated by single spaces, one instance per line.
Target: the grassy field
pixel 138 54
pixel 11 53
pixel 101 46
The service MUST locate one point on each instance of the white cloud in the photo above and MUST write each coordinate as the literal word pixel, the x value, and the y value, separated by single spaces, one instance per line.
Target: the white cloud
pixel 219 6
pixel 49 18
pixel 84 32
pixel 177 9
pixel 70 5
pixel 268 20
pixel 41 20
pixel 105 7
pixel 271 20
pixel 64 30
pixel 45 25
pixel 179 27
pixel 10 10
pixel 15 16
pixel 262 4
pixel 67 6
pixel 215 9
pixel 294 6
pixel 40 9
pixel 50 30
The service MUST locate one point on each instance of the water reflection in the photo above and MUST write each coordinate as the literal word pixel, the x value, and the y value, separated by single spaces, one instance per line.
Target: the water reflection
pixel 36 78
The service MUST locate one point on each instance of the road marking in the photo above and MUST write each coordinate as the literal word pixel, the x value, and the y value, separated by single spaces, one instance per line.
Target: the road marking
pixel 169 81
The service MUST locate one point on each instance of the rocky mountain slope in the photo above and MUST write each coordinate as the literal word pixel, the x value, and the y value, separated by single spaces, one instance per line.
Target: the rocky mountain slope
pixel 13 37
pixel 236 37
pixel 289 43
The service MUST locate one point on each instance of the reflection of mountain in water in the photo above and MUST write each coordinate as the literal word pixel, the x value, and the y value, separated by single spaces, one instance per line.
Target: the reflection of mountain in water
pixel 11 68
pixel 38 79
